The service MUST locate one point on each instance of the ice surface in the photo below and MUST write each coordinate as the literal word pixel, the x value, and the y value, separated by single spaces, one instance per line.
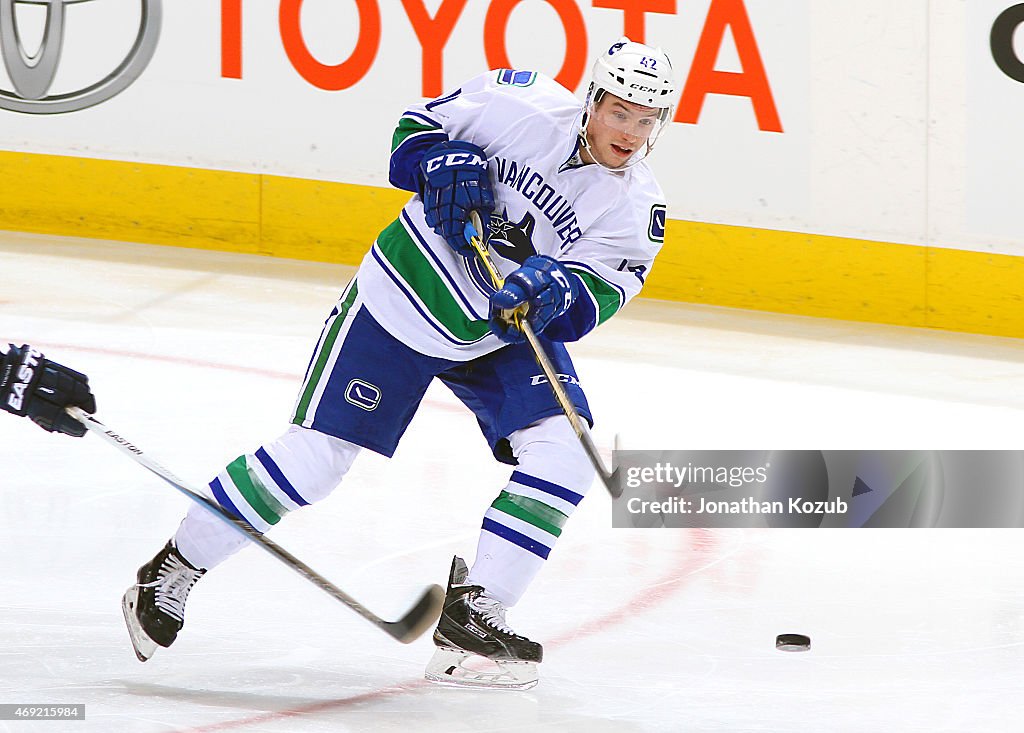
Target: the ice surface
pixel 197 357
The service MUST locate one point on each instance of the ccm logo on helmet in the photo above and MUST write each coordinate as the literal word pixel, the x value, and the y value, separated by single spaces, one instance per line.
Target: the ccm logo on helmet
pixel 453 159
pixel 642 88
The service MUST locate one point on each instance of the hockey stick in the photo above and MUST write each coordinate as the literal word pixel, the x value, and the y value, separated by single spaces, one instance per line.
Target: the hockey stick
pixel 608 478
pixel 418 619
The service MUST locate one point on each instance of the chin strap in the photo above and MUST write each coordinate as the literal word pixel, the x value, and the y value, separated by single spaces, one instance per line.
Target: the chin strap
pixel 594 96
pixel 633 160
pixel 585 144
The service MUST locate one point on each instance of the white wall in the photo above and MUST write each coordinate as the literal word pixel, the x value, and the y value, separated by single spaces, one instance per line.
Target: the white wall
pixel 897 123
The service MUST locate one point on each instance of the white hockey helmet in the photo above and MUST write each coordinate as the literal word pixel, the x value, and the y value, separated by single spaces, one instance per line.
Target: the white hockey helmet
pixel 637 73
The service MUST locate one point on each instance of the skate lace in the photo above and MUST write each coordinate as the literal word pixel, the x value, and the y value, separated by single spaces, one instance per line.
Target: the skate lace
pixel 173 582
pixel 491 613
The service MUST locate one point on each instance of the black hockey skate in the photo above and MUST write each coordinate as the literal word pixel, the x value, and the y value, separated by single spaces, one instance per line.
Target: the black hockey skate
pixel 154 608
pixel 475 646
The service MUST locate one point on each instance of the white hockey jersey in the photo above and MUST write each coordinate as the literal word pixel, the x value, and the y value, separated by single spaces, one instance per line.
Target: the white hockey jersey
pixel 606 227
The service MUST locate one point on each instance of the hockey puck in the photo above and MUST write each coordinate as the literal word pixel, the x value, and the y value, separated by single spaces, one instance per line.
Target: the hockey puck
pixel 792 642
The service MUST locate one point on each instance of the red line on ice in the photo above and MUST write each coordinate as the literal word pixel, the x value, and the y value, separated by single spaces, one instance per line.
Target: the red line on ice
pixel 697 544
pixel 204 364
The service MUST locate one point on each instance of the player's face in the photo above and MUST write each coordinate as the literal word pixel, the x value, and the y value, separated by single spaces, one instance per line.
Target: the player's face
pixel 617 129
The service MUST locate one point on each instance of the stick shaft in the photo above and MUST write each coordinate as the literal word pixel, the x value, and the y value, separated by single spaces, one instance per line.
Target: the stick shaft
pixel 561 396
pixel 408 625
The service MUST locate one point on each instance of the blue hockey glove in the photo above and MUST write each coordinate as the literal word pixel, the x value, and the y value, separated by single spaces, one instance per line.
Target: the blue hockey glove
pixel 32 385
pixel 455 182
pixel 544 286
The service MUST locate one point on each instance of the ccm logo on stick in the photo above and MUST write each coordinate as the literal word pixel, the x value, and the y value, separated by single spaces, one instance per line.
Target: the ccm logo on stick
pixel 564 378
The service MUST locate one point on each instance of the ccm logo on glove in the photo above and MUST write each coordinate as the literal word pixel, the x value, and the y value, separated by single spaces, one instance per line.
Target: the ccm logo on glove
pixel 23 379
pixel 568 296
pixel 455 183
pixel 455 159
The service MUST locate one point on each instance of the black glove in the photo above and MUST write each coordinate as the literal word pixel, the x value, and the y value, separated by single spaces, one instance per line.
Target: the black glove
pixel 455 182
pixel 32 385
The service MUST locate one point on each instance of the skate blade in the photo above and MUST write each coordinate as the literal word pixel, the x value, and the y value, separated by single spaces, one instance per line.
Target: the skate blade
pixel 144 646
pixel 457 668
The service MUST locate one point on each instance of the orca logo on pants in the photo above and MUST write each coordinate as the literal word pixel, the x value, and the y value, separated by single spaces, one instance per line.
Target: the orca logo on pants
pixel 362 394
pixel 32 74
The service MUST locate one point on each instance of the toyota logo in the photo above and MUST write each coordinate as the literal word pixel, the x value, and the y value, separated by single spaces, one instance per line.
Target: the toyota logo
pixel 32 74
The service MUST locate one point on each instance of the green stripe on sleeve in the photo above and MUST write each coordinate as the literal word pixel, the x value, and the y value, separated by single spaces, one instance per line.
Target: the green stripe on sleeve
pixel 407 127
pixel 607 297
pixel 531 511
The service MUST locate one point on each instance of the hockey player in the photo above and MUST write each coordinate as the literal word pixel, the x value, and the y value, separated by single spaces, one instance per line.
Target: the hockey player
pixel 574 219
pixel 33 386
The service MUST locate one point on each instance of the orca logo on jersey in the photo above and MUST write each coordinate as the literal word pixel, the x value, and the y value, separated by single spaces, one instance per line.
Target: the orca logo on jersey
pixel 531 184
pixel 363 395
pixel 513 240
pixel 510 240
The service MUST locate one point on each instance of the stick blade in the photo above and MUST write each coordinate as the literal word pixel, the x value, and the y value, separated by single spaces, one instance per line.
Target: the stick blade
pixel 613 481
pixel 420 617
